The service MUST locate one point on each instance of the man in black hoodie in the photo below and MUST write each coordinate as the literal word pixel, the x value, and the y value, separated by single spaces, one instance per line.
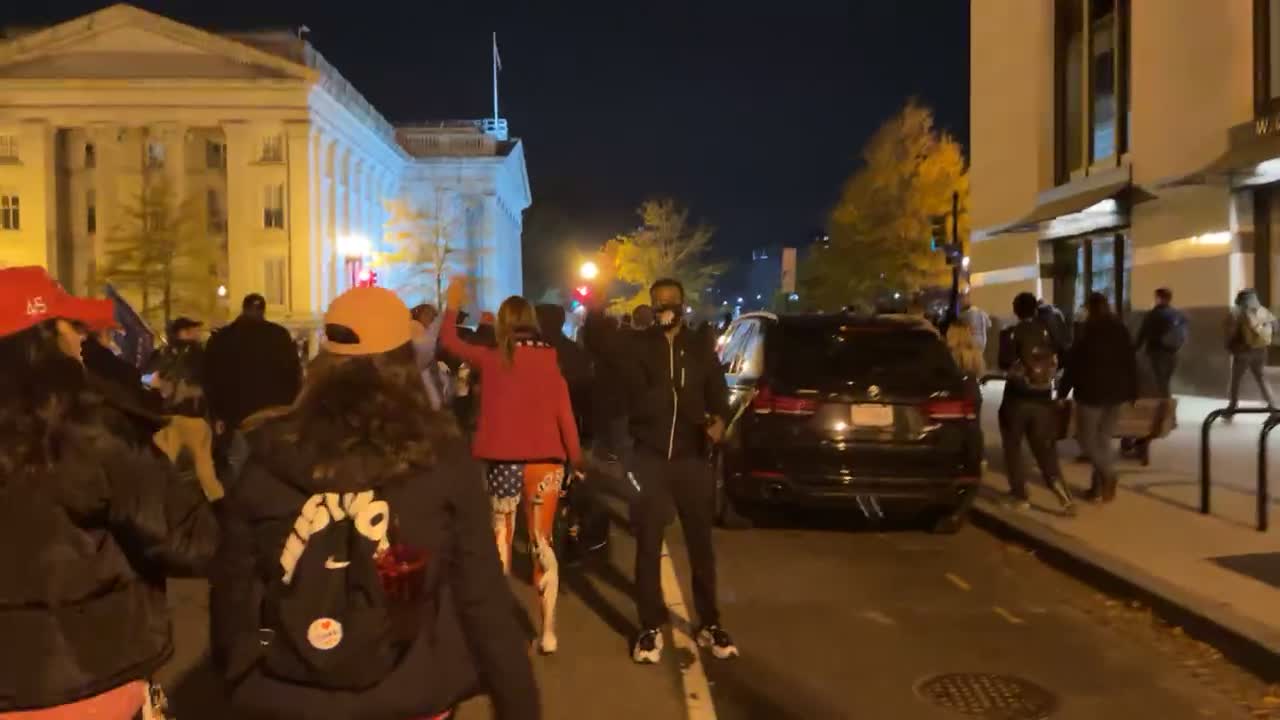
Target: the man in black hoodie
pixel 678 405
pixel 250 365
pixel 1102 371
pixel 1029 355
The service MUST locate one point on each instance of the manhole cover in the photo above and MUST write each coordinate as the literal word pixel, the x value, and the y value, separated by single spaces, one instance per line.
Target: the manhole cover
pixel 992 697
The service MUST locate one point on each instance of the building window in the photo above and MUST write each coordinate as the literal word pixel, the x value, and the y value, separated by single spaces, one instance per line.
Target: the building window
pixel 8 147
pixel 9 217
pixel 91 212
pixel 272 149
pixel 1092 97
pixel 217 219
pixel 155 154
pixel 351 268
pixel 1083 265
pixel 90 156
pixel 215 154
pixel 273 281
pixel 273 207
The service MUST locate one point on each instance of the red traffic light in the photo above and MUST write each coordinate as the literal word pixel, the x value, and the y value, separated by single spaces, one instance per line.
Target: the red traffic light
pixel 367 278
pixel 582 292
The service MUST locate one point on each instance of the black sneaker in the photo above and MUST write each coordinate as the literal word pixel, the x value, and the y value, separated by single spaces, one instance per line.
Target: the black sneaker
pixel 715 639
pixel 647 649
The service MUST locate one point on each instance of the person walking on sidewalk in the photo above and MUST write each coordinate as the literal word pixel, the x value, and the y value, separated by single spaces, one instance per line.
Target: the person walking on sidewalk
pixel 358 577
pixel 525 432
pixel 1164 331
pixel 1249 331
pixel 90 527
pixel 679 405
pixel 1029 358
pixel 1102 371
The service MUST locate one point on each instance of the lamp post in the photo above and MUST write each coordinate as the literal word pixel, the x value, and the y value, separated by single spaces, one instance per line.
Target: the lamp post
pixel 589 271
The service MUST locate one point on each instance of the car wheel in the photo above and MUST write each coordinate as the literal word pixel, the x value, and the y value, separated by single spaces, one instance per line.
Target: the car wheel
pixel 950 520
pixel 729 514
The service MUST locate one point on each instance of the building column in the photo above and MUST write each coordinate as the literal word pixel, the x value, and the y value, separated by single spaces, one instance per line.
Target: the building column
pixel 242 214
pixel 37 198
pixel 107 165
pixel 298 198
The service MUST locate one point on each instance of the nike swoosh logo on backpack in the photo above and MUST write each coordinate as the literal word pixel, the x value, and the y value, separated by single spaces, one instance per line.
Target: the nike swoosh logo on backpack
pixel 331 564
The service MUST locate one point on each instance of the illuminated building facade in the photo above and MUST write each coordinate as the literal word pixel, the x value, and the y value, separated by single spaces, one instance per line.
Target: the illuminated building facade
pixel 290 167
pixel 1122 146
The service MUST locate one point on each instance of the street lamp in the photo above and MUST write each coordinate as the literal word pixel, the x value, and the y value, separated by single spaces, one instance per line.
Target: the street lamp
pixel 353 246
pixel 222 291
pixel 589 270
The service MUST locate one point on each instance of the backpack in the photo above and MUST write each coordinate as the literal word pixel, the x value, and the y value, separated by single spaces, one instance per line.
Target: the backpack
pixel 1255 329
pixel 343 605
pixel 1176 334
pixel 1036 359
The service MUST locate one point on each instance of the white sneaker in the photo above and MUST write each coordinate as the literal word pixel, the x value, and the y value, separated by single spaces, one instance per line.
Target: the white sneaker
pixel 548 644
pixel 647 649
pixel 715 639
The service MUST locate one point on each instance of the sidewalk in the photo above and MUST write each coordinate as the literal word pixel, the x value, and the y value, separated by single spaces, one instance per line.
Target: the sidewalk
pixel 1213 571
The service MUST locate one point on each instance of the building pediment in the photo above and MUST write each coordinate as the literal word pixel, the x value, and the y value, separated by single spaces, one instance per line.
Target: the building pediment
pixel 123 42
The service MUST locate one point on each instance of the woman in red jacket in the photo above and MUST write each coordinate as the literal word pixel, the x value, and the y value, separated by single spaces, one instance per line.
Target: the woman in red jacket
pixel 525 433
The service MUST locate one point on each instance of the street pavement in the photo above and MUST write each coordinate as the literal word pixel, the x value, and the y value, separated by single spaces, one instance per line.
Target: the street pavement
pixel 835 621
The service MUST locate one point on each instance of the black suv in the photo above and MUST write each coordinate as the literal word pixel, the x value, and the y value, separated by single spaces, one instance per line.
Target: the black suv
pixel 864 411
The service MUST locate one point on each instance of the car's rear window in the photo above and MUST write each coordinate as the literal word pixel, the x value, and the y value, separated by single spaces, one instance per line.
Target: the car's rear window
pixel 816 355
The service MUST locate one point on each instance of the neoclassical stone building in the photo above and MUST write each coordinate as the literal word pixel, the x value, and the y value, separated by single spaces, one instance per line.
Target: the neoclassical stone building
pixel 290 166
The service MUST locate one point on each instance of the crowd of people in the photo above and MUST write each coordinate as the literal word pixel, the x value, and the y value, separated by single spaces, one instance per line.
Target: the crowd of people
pixel 353 512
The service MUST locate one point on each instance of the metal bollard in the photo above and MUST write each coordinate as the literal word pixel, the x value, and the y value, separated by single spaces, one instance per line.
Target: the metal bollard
pixel 1205 454
pixel 1264 484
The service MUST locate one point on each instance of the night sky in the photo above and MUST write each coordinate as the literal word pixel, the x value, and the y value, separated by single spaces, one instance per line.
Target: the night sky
pixel 752 114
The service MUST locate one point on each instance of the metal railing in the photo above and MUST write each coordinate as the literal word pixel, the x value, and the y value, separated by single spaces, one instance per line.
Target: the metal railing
pixel 1264 483
pixel 1206 479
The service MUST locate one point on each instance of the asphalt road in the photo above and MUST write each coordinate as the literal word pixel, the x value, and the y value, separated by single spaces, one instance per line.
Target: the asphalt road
pixel 835 621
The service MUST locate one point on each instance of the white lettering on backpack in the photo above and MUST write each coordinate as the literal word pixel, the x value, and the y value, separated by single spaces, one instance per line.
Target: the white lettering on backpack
pixel 371 518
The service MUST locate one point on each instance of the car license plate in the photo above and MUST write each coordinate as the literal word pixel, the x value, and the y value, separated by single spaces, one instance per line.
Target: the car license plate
pixel 872 415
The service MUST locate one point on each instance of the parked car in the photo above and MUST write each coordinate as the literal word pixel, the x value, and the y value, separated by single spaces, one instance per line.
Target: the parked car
pixel 866 412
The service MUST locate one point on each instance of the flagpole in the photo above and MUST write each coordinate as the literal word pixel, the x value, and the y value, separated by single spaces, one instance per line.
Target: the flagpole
pixel 495 79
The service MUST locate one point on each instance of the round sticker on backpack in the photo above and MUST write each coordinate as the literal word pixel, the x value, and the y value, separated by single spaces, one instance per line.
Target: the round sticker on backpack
pixel 324 634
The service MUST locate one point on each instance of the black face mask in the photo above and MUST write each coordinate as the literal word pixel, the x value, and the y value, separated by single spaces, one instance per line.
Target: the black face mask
pixel 668 316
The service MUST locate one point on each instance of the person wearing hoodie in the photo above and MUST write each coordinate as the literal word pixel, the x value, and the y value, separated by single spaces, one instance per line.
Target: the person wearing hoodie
pixel 363 475
pixel 1249 329
pixel 90 523
pixel 525 433
pixel 1102 371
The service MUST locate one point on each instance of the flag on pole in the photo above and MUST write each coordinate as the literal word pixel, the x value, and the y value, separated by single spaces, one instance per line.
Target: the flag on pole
pixel 497 59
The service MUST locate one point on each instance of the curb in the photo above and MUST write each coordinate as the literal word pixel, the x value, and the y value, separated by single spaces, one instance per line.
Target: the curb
pixel 1245 642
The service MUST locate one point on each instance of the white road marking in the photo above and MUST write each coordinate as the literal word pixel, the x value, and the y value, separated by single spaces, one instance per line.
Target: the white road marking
pixel 879 617
pixel 1010 617
pixel 697 691
pixel 958 581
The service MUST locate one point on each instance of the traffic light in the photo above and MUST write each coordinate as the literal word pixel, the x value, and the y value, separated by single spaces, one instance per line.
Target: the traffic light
pixel 938 233
pixel 582 293
pixel 367 278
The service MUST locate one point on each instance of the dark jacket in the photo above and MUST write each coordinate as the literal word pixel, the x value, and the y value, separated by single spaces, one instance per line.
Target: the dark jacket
pixel 474 643
pixel 605 344
pixel 672 388
pixel 84 551
pixel 1156 325
pixel 574 362
pixel 250 365
pixel 1018 341
pixel 1101 367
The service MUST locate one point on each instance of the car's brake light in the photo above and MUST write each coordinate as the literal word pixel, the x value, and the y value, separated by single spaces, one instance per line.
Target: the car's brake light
pixel 766 401
pixel 951 409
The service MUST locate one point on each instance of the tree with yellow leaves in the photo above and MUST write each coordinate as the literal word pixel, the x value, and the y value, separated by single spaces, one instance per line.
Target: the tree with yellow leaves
pixel 880 228
pixel 667 244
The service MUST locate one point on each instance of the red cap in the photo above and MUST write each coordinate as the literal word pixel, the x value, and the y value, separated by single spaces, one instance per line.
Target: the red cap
pixel 28 297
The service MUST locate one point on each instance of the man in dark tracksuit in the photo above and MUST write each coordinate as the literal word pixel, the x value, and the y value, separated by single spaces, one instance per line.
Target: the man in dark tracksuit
pixel 678 406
